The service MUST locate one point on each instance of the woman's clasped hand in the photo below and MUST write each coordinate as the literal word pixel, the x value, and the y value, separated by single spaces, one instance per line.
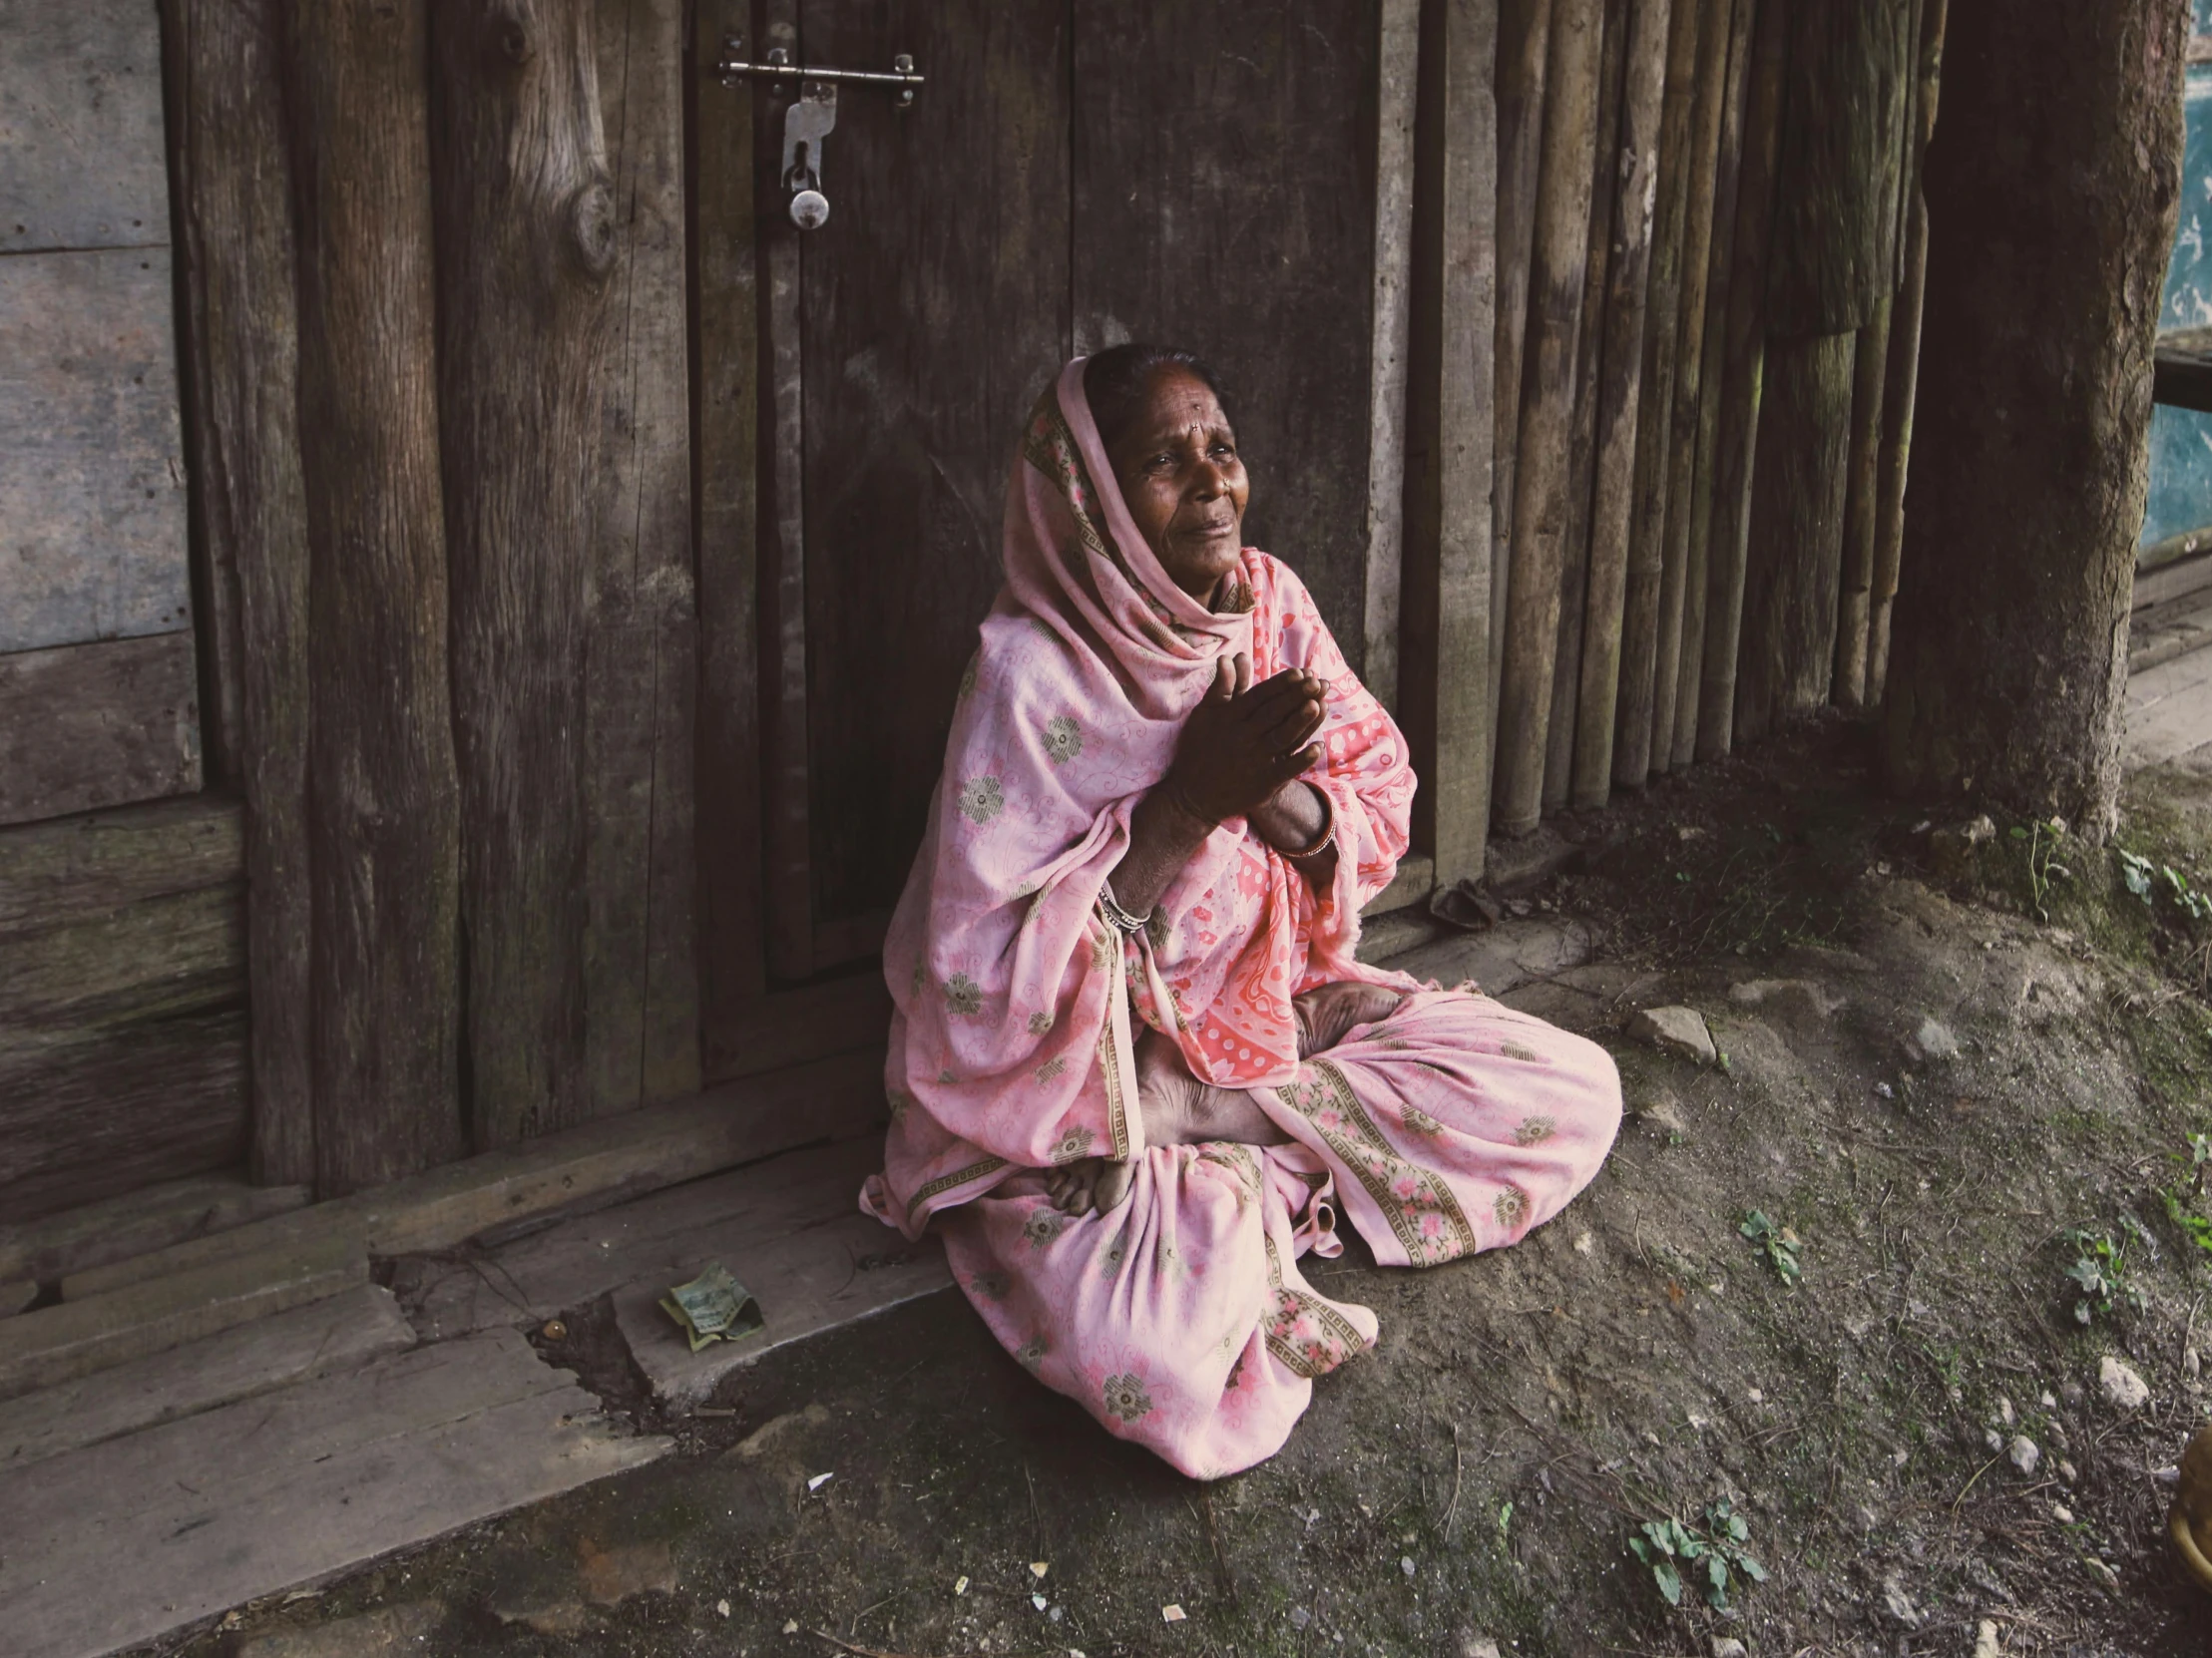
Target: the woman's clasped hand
pixel 1243 742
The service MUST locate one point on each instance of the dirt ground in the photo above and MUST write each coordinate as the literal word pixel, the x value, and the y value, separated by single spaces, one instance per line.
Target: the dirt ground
pixel 1960 1072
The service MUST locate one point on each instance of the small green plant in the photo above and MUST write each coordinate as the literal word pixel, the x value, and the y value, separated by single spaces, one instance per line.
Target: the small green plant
pixel 1778 1243
pixel 2181 1205
pixel 2147 881
pixel 2099 1266
pixel 1710 1552
pixel 2046 836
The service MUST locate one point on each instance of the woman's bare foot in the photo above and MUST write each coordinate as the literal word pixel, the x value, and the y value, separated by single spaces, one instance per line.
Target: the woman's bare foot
pixel 1181 1111
pixel 1327 1011
pixel 1091 1184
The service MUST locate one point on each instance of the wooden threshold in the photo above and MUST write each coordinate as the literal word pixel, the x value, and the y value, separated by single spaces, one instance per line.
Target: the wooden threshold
pixel 640 1151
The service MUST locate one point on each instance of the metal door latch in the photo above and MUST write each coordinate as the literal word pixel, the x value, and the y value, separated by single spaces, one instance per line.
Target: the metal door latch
pixel 812 115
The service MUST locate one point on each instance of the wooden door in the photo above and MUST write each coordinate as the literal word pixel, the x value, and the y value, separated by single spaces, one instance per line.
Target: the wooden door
pixel 1069 175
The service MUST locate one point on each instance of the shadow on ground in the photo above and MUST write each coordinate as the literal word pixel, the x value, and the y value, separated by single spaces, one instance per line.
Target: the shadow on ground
pixel 1959 1068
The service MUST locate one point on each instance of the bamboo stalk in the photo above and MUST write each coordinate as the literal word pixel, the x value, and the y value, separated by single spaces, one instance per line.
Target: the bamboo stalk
pixel 1524 55
pixel 1647 551
pixel 1712 360
pixel 1541 510
pixel 1848 687
pixel 1715 35
pixel 1903 374
pixel 1744 356
pixel 1620 379
pixel 1567 669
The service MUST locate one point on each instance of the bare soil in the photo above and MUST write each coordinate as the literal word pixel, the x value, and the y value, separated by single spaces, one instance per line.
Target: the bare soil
pixel 1479 1476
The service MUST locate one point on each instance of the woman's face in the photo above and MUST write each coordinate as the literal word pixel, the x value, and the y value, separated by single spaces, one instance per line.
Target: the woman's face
pixel 1182 479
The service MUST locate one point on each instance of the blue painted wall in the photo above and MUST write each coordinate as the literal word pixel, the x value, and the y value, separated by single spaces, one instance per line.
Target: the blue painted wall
pixel 2181 439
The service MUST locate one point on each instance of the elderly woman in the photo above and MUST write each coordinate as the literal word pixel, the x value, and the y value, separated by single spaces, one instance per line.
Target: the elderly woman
pixel 1136 1068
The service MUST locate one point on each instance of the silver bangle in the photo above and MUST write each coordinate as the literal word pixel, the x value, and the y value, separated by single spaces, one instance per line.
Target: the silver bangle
pixel 1117 917
pixel 1328 834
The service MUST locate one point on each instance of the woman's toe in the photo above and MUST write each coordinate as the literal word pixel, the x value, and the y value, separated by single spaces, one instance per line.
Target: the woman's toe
pixel 1112 1188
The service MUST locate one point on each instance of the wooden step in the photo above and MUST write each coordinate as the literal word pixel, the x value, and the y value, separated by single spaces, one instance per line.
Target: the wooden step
pixel 118 1228
pixel 338 1334
pixel 58 1343
pixel 789 1229
pixel 132 1538
pixel 603 1161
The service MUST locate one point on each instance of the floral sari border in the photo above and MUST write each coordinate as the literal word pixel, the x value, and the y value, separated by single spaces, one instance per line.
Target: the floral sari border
pixel 1379 1166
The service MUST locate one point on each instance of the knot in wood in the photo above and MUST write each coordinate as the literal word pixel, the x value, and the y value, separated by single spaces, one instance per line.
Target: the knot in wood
pixel 592 225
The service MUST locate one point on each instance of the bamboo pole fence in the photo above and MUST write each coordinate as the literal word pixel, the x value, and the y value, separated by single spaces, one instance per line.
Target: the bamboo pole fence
pixel 1673 439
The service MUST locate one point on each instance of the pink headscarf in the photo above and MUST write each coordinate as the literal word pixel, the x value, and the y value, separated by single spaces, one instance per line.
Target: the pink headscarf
pixel 1010 1048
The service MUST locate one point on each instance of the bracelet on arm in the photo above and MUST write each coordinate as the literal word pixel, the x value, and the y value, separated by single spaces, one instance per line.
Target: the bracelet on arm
pixel 1117 917
pixel 1328 832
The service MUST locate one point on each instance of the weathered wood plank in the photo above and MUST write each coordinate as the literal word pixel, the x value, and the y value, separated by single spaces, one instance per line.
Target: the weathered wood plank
pixel 1235 243
pixel 2181 371
pixel 58 1343
pixel 155 959
pixel 111 1111
pixel 92 473
pixel 1397 73
pixel 76 866
pixel 1620 401
pixel 241 348
pixel 526 246
pixel 656 1241
pixel 153 1217
pixel 83 726
pixel 257 1496
pixel 732 958
pixel 655 1146
pixel 1446 706
pixel 383 828
pixel 81 126
pixel 640 986
pixel 338 1334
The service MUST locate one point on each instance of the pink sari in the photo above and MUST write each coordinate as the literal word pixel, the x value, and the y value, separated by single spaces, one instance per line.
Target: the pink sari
pixel 1180 1320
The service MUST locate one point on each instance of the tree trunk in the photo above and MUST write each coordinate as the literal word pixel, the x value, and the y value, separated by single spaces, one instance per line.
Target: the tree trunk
pixel 1717 48
pixel 1902 377
pixel 1566 666
pixel 1640 641
pixel 383 827
pixel 1735 438
pixel 2053 190
pixel 1612 487
pixel 1541 507
pixel 243 350
pixel 526 242
pixel 1522 58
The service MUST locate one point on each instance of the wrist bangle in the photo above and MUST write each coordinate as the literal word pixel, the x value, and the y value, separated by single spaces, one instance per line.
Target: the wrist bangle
pixel 1328 833
pixel 1117 917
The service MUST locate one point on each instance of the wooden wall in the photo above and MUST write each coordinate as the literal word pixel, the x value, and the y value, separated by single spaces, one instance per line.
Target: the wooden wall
pixel 98 691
